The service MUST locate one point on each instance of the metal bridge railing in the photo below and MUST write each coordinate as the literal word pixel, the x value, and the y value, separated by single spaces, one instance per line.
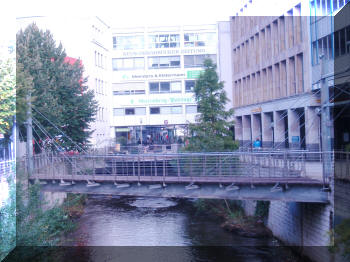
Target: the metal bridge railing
pixel 245 164
pixel 341 165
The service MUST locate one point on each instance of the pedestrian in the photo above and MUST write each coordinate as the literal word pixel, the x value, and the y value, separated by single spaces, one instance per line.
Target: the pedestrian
pixel 257 143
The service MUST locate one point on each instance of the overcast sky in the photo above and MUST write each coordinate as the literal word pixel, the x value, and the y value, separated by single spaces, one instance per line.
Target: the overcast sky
pixel 125 13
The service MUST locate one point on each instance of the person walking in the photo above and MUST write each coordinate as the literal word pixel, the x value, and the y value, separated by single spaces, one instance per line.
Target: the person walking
pixel 257 144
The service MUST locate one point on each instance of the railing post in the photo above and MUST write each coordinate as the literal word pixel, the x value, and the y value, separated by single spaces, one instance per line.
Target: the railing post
pixel 178 166
pixel 191 166
pixel 204 165
pixel 155 166
pixel 220 171
pixel 285 162
pixel 347 164
pixel 164 170
pixel 138 167
pixel 93 167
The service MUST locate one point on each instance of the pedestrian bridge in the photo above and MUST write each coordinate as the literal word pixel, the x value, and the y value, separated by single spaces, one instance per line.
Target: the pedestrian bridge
pixel 282 175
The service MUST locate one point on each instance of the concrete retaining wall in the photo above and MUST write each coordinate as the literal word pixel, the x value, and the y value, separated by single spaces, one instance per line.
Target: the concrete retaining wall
pixel 303 225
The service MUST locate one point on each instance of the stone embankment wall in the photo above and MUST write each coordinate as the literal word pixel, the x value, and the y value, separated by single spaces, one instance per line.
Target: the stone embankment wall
pixel 305 226
pixel 51 199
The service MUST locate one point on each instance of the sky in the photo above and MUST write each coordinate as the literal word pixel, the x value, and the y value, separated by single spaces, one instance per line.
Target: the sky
pixel 128 13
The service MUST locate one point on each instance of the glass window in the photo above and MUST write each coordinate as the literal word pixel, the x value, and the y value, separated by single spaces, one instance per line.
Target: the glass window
pixel 164 41
pixel 128 63
pixel 154 110
pixel 140 111
pixel 163 61
pixel 154 87
pixel 199 39
pixel 129 42
pixel 197 60
pixel 176 87
pixel 176 110
pixel 129 111
pixel 118 111
pixel 189 85
pixel 165 87
pixel 139 63
pixel 191 109
pixel 114 42
pixel 165 110
pixel 133 88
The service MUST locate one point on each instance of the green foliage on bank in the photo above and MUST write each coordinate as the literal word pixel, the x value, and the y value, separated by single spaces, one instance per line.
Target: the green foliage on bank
pixel 212 131
pixel 262 209
pixel 341 237
pixel 8 221
pixel 25 222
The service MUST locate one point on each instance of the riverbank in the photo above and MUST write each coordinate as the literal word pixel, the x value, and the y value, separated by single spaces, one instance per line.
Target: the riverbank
pixel 233 218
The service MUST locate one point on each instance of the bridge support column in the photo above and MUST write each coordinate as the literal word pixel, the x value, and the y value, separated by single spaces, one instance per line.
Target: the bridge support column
pixel 247 131
pixel 279 129
pixel 312 129
pixel 294 129
pixel 239 130
pixel 267 130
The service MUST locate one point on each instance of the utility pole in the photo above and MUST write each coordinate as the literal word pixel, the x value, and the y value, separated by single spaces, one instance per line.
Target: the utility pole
pixel 29 146
pixel 326 125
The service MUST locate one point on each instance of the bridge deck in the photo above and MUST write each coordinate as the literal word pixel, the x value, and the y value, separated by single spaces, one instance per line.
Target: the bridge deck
pixel 186 179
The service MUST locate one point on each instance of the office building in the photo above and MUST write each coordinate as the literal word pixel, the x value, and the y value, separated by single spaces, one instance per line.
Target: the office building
pixel 154 73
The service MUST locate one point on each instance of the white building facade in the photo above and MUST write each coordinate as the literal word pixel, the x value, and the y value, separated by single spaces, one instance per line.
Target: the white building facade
pixel 153 75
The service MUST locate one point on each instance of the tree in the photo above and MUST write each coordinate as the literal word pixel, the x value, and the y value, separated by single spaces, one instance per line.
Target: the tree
pixel 7 95
pixel 57 89
pixel 211 132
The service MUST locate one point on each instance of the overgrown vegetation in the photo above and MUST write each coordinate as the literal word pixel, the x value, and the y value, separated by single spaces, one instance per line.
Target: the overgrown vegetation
pixel 262 209
pixel 26 223
pixel 341 237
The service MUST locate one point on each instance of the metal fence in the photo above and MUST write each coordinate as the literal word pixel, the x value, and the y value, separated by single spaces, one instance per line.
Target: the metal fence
pixel 7 168
pixel 245 164
pixel 342 165
pixel 138 149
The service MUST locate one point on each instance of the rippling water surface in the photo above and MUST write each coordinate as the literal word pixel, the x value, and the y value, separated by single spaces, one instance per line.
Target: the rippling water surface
pixel 158 229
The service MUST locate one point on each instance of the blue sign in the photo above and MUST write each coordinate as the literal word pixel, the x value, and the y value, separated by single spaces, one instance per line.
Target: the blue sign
pixel 295 139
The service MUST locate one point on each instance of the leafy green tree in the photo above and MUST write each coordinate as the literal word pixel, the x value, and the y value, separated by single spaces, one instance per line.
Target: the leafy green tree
pixel 56 88
pixel 211 132
pixel 7 95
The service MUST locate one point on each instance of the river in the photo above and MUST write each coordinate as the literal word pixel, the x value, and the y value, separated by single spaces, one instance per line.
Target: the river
pixel 159 229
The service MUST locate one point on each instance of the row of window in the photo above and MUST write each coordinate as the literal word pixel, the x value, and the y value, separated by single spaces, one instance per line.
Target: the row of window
pixel 100 60
pixel 325 7
pixel 154 87
pixel 325 45
pixel 100 115
pixel 164 41
pixel 156 62
pixel 155 110
pixel 100 87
